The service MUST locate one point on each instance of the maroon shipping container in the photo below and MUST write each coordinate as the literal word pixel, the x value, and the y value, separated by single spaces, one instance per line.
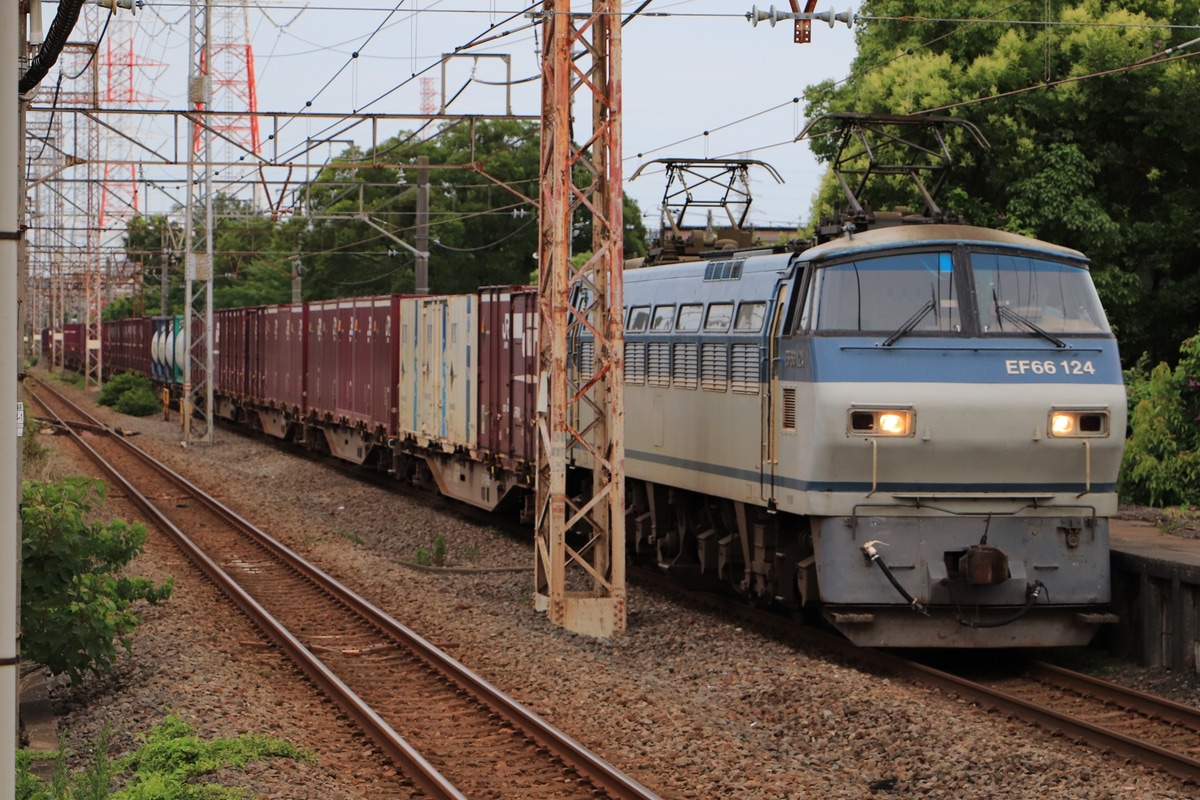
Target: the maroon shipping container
pixel 73 344
pixel 230 350
pixel 508 354
pixel 353 361
pixel 283 362
pixel 322 348
pixel 382 338
pixel 345 358
pixel 127 345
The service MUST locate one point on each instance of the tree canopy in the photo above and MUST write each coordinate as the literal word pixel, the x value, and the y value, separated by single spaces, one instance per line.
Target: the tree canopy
pixel 483 227
pixel 1088 115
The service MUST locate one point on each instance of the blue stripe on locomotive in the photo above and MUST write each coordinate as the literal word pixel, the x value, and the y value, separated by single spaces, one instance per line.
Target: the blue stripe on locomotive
pixel 991 360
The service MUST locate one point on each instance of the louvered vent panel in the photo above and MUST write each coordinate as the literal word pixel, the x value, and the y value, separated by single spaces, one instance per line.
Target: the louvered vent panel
pixel 723 271
pixel 714 368
pixel 635 363
pixel 685 370
pixel 744 371
pixel 659 366
pixel 789 409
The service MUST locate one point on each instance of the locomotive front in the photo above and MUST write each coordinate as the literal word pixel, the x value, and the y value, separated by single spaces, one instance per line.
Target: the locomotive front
pixel 957 427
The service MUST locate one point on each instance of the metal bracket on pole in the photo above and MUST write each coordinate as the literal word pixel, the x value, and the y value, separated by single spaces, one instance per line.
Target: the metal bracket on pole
pixel 394 237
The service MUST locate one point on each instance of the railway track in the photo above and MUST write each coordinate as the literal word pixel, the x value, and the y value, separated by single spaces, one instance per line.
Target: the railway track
pixel 1130 724
pixel 1134 725
pixel 448 732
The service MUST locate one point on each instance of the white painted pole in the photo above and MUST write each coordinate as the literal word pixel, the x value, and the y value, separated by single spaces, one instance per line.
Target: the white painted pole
pixel 10 345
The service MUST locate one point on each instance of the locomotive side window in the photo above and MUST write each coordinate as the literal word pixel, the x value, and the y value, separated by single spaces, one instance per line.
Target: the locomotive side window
pixel 639 318
pixel 750 317
pixel 663 317
pixel 1016 291
pixel 689 318
pixel 912 292
pixel 719 315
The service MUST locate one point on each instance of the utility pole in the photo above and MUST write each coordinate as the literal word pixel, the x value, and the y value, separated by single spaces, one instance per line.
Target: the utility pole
pixel 422 243
pixel 580 415
pixel 10 427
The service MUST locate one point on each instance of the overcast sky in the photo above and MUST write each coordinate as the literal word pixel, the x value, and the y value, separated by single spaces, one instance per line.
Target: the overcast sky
pixel 690 66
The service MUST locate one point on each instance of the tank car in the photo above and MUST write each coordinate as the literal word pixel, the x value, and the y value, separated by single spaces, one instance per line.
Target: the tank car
pixel 915 429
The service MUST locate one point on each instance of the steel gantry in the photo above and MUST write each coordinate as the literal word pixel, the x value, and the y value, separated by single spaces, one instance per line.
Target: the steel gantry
pixel 198 288
pixel 580 524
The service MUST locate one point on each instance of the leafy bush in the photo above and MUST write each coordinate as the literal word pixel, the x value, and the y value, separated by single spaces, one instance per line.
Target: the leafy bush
pixel 1162 454
pixel 74 602
pixel 130 394
pixel 167 766
pixel 140 401
pixel 33 454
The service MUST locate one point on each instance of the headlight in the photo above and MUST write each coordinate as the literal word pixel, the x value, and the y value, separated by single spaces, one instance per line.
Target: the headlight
pixel 1078 422
pixel 880 422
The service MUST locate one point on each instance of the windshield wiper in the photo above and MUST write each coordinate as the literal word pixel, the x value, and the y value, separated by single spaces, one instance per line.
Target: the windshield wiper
pixel 1005 311
pixel 913 322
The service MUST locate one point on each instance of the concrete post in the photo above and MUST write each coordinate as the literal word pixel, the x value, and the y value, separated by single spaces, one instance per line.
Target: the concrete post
pixel 10 521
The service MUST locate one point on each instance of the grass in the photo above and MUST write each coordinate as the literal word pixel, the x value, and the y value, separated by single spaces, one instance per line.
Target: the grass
pixel 349 536
pixel 169 765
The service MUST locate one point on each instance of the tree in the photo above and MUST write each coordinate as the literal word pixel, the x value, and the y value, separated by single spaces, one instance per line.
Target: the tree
pixel 75 604
pixel 1104 164
pixel 1162 454
pixel 483 225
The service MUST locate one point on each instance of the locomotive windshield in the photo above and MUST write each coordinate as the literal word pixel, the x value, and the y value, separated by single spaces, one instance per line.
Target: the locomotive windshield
pixel 1055 297
pixel 886 293
pixel 918 293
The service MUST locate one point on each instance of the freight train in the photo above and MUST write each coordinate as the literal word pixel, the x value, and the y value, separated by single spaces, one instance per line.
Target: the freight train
pixel 911 430
pixel 914 430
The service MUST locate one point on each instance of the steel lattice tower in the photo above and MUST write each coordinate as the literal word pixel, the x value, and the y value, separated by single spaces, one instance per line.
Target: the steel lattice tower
pixel 119 197
pixel 230 72
pixel 220 78
pixel 581 583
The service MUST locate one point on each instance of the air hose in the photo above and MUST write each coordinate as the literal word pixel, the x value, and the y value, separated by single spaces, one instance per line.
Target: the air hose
pixel 1032 593
pixel 870 551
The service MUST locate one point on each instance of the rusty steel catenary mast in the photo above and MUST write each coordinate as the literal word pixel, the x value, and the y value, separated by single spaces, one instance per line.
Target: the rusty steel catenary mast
pixel 580 529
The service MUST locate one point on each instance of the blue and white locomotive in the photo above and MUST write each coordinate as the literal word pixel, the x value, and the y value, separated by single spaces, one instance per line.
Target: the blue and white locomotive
pixel 915 430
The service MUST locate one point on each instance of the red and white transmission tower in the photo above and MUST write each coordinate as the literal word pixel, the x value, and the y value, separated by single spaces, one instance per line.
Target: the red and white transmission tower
pixel 119 202
pixel 429 96
pixel 234 91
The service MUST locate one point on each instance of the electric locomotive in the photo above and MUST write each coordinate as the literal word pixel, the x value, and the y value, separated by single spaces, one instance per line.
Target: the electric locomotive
pixel 914 430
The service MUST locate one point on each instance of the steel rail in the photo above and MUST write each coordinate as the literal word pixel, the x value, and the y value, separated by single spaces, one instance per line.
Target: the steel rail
pixel 583 760
pixel 393 745
pixel 1178 764
pixel 1156 707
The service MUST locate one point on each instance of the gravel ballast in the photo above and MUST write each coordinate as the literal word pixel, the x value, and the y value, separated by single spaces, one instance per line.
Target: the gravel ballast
pixel 691 705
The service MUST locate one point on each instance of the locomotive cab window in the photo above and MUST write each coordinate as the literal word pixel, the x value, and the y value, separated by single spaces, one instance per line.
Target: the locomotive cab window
pixel 689 318
pixel 639 318
pixel 750 317
pixel 893 294
pixel 664 316
pixel 719 316
pixel 1022 295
